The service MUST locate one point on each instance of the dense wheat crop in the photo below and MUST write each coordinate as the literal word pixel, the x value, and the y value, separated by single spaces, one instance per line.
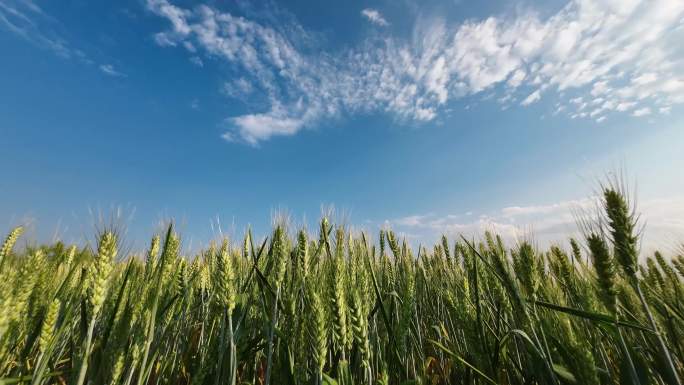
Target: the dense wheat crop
pixel 333 306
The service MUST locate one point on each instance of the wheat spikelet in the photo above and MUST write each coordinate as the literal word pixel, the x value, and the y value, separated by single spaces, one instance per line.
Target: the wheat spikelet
pixel 9 242
pixel 48 325
pixel 359 325
pixel 303 253
pixel 152 254
pixel 622 228
pixel 605 270
pixel 99 271
pixel 679 264
pixel 339 307
pixel 224 277
pixel 319 335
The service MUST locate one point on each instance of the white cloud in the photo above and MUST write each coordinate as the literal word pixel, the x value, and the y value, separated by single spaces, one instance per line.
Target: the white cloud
pixel 644 79
pixel 548 224
pixel 531 98
pixel 642 112
pixel 164 40
pixel 109 70
pixel 257 127
pixel 413 220
pixel 622 53
pixel 517 78
pixel 239 87
pixel 624 106
pixel 374 16
pixel 196 60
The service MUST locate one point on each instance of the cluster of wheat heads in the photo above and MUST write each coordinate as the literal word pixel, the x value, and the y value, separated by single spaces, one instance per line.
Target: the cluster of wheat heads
pixel 339 308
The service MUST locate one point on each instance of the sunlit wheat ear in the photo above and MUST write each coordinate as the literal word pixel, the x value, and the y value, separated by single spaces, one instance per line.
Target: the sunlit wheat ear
pixel 100 270
pixel 117 368
pixel 48 326
pixel 666 268
pixel 318 330
pixel 25 280
pixel 359 325
pixel 622 224
pixel 152 254
pixel 9 242
pixel 565 271
pixel 393 244
pixel 168 258
pixel 303 253
pixel 407 308
pixel 653 276
pixel 583 360
pixel 225 277
pixel 445 246
pixel 279 255
pixel 323 236
pixel 181 276
pixel 576 251
pixel 69 255
pixel 527 269
pixel 246 244
pixel 339 306
pixel 605 270
pixel 339 243
pixel 6 300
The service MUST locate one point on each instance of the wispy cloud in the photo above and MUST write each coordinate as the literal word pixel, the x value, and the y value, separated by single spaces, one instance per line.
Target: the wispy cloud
pixel 531 98
pixel 618 57
pixel 547 224
pixel 27 20
pixel 196 60
pixel 374 16
pixel 109 70
pixel 642 112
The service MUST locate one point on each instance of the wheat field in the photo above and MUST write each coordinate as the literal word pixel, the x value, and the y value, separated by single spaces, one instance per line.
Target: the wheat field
pixel 332 306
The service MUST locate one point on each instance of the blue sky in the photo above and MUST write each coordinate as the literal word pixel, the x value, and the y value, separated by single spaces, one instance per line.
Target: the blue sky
pixel 430 117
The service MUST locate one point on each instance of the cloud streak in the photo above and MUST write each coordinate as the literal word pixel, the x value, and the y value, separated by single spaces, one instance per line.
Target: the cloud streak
pixel 374 16
pixel 611 57
pixel 109 70
pixel 27 20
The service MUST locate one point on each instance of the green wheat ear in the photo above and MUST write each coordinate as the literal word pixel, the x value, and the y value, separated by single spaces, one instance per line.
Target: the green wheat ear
pixel 339 306
pixel 605 270
pixel 445 246
pixel 48 325
pixel 225 277
pixel 9 242
pixel 622 224
pixel 279 255
pixel 679 264
pixel 100 270
pixel 576 251
pixel 152 254
pixel 359 324
pixel 303 253
pixel 246 245
pixel 318 330
pixel 69 255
